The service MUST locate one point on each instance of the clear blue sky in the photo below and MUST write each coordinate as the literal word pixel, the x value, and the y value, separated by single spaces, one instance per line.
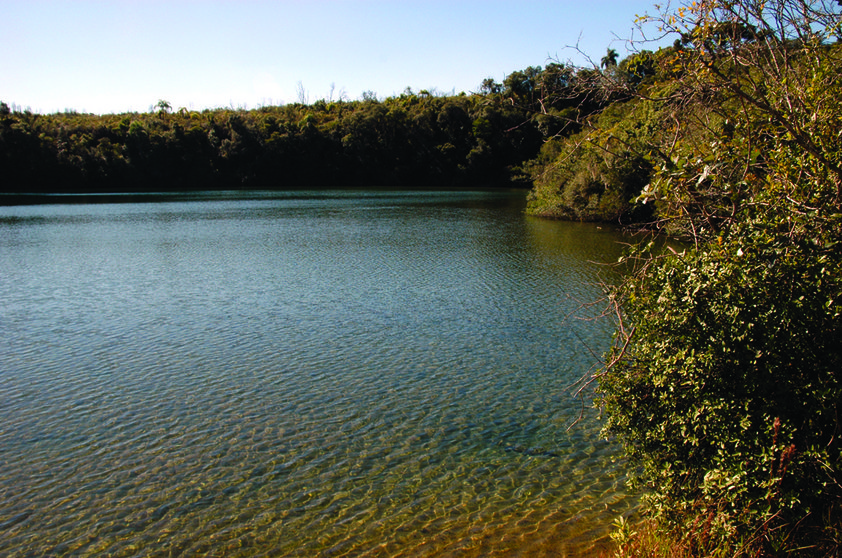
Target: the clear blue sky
pixel 124 55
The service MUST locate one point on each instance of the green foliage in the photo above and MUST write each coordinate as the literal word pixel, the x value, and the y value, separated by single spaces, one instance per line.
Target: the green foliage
pixel 421 139
pixel 604 152
pixel 411 140
pixel 729 395
pixel 593 175
pixel 639 67
pixel 610 59
pixel 724 382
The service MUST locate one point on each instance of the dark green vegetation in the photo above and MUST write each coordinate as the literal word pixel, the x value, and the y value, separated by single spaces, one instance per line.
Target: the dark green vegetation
pixel 416 139
pixel 724 383
pixel 595 172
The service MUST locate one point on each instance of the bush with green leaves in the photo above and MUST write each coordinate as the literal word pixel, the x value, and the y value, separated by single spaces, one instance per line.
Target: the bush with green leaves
pixel 729 396
pixel 725 381
pixel 595 174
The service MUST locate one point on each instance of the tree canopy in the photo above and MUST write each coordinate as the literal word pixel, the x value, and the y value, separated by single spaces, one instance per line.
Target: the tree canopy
pixel 411 140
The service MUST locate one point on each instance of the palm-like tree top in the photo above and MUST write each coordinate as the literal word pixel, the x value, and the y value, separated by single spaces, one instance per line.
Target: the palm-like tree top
pixel 610 59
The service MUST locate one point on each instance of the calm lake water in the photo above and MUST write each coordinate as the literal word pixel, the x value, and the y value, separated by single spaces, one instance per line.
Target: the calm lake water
pixel 300 374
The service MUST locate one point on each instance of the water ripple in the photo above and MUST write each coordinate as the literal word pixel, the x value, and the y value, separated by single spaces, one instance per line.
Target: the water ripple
pixel 299 376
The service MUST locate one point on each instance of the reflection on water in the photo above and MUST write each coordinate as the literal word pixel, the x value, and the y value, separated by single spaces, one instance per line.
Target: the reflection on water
pixel 301 374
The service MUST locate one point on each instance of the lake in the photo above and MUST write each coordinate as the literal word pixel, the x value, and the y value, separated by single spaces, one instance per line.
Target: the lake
pixel 336 373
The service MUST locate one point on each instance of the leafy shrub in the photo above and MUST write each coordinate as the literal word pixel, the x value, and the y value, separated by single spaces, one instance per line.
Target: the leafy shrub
pixel 729 397
pixel 595 174
pixel 724 384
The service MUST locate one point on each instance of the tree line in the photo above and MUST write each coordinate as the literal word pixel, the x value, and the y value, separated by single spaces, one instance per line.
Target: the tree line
pixel 411 140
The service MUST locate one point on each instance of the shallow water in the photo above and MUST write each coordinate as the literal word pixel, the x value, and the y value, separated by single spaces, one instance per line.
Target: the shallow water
pixel 300 374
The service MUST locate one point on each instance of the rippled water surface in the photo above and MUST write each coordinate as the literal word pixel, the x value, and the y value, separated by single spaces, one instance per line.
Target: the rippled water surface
pixel 299 374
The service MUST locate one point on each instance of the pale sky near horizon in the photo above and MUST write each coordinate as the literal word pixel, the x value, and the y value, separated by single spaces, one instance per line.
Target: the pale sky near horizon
pixel 111 56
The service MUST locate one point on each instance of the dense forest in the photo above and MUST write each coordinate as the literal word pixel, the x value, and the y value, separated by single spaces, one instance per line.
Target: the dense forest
pixel 412 140
pixel 723 384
